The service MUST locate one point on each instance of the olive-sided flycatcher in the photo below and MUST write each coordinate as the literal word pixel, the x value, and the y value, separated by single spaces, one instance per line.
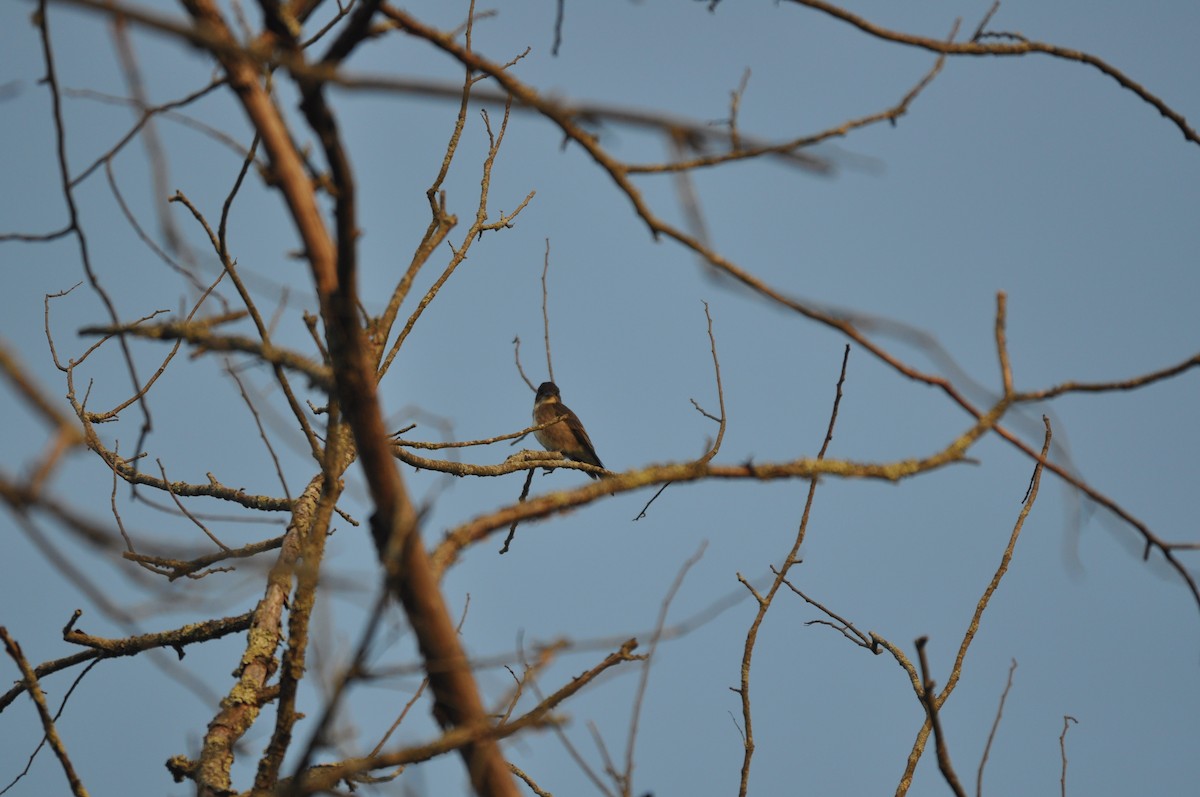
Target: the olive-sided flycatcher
pixel 567 436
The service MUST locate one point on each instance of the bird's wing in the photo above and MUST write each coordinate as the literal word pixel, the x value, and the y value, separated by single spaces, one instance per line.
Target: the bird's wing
pixel 576 427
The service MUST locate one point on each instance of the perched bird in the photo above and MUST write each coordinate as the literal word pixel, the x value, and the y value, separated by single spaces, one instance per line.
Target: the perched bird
pixel 568 436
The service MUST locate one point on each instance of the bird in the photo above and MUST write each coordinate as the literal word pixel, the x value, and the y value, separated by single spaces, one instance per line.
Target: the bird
pixel 568 436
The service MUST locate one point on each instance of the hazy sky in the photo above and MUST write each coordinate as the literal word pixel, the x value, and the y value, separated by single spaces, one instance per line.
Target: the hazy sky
pixel 1035 176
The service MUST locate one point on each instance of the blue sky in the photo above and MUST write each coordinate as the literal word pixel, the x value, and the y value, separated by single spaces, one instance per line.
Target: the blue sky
pixel 1038 177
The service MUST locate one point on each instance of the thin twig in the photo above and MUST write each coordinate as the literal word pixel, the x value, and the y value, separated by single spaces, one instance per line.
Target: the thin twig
pixel 987 748
pixel 640 695
pixel 931 708
pixel 546 312
pixel 31 685
pixel 765 601
pixel 973 627
pixel 1062 748
pixel 1016 48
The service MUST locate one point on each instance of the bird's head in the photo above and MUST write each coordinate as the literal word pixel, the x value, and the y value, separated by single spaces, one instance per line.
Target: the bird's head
pixel 547 391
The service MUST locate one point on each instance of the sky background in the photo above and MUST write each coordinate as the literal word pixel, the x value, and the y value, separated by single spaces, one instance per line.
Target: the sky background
pixel 1038 177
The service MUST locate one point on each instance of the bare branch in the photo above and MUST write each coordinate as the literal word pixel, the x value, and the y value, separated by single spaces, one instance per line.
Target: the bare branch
pixel 987 748
pixel 35 691
pixel 976 48
pixel 765 601
pixel 939 738
pixel 1062 747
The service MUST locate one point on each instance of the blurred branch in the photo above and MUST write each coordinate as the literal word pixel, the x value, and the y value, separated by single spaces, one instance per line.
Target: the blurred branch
pixel 625 778
pixel 67 433
pixel 699 134
pixel 323 778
